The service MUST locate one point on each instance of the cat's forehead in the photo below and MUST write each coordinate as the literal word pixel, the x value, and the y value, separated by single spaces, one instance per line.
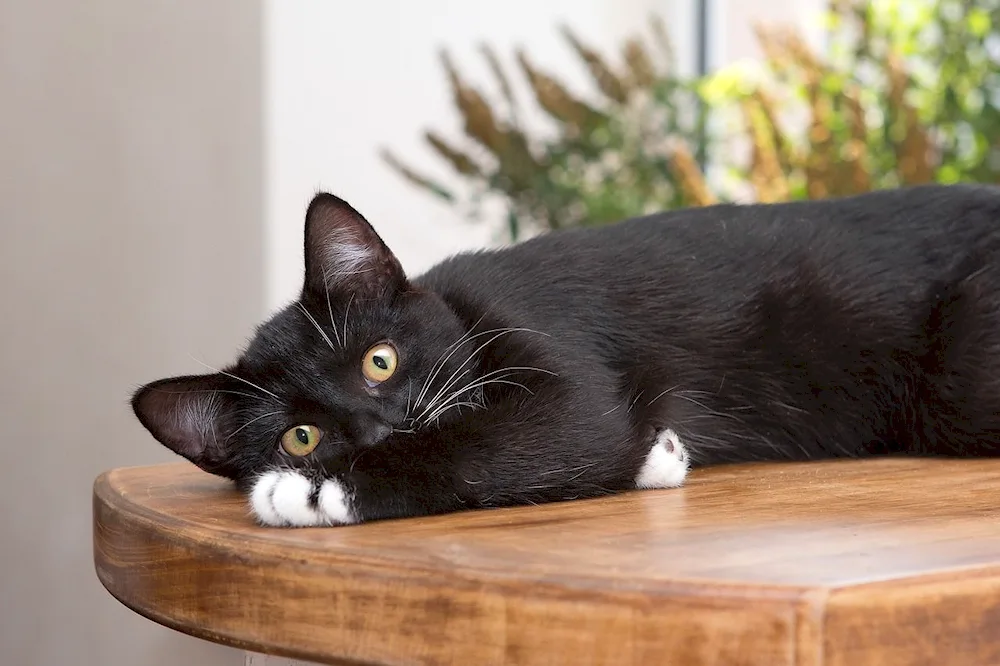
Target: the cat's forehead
pixel 285 359
pixel 280 335
pixel 299 326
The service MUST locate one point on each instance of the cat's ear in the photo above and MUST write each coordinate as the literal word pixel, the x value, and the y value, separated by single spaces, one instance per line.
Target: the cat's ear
pixel 186 414
pixel 344 253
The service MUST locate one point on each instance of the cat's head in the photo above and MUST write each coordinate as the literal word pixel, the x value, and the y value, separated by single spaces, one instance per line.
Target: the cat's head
pixel 361 357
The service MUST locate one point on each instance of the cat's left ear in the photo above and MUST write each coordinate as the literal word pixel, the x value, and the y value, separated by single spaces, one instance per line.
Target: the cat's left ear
pixel 344 253
pixel 189 415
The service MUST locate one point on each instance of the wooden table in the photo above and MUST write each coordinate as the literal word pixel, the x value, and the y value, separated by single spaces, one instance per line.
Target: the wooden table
pixel 848 563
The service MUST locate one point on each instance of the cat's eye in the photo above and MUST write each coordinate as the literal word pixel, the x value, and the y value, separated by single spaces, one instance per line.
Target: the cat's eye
pixel 379 363
pixel 301 440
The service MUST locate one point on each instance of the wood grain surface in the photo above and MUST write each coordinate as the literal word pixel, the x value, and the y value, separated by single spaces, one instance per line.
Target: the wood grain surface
pixel 847 563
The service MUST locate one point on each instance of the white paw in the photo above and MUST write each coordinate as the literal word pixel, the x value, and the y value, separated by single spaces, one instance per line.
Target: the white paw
pixel 282 498
pixel 666 465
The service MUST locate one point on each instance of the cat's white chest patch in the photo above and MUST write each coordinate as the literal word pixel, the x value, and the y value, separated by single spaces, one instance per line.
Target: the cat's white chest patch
pixel 666 465
pixel 287 498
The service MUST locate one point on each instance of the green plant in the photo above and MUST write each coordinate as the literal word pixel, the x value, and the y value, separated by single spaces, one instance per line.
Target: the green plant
pixel 609 157
pixel 907 92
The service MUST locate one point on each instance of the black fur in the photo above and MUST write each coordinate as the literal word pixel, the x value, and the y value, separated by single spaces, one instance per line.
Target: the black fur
pixel 851 327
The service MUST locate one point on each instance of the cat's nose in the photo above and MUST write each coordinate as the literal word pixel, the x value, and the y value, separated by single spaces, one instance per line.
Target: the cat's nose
pixel 369 430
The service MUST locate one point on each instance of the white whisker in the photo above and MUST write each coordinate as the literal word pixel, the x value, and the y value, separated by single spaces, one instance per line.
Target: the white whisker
pixel 232 376
pixel 449 383
pixel 437 415
pixel 356 459
pixel 454 347
pixel 317 326
pixel 693 401
pixel 442 359
pixel 347 312
pixel 263 416
pixel 611 410
pixel 239 393
pixel 329 309
pixel 570 469
pixel 409 391
pixel 630 407
pixel 661 394
pixel 578 474
pixel 432 405
pixel 481 382
pixel 708 410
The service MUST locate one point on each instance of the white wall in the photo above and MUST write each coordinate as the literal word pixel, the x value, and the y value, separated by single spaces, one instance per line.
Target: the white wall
pixel 732 20
pixel 345 78
pixel 130 237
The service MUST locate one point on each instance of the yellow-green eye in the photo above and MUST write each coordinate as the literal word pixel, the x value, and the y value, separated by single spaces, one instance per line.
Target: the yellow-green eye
pixel 301 440
pixel 379 363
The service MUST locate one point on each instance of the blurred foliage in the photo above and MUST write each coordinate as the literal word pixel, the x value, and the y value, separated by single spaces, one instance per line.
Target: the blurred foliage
pixel 906 92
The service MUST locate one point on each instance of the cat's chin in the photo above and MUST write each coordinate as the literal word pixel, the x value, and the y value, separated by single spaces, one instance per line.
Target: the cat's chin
pixel 286 498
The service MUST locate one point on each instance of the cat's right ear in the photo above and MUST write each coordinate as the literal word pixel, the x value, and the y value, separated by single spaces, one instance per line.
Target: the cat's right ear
pixel 344 254
pixel 186 414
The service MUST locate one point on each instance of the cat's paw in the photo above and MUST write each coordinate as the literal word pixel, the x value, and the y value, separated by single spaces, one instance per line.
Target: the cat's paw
pixel 288 499
pixel 666 465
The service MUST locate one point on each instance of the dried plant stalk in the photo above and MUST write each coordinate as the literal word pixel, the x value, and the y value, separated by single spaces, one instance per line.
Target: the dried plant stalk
pixel 517 166
pixel 774 49
pixel 782 145
pixel 842 7
pixel 607 81
pixel 459 160
pixel 662 37
pixel 822 160
pixel 913 150
pixel 855 152
pixel 517 163
pixel 822 151
pixel 502 81
pixel 829 170
pixel 766 174
pixel 855 114
pixel 480 123
pixel 556 100
pixel 643 73
pixel 690 178
pixel 413 177
pixel 801 52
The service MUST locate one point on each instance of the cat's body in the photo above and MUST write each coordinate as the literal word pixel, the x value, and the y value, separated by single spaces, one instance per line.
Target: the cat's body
pixel 593 361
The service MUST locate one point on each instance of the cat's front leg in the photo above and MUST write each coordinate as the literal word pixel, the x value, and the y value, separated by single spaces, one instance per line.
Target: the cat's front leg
pixel 513 457
pixel 300 498
pixel 407 477
pixel 442 472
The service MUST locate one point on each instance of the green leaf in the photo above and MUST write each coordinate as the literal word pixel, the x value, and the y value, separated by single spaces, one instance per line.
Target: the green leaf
pixel 949 174
pixel 833 83
pixel 978 21
pixel 513 224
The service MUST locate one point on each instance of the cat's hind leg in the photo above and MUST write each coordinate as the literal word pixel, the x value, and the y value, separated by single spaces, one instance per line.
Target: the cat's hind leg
pixel 666 464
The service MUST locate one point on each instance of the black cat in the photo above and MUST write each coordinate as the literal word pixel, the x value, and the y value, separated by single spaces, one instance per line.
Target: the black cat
pixel 593 361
